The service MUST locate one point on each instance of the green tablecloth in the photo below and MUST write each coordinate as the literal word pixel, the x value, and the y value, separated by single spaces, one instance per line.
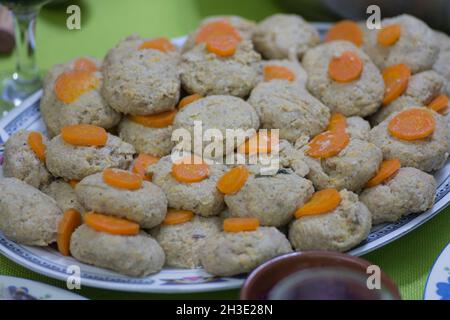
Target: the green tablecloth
pixel 104 22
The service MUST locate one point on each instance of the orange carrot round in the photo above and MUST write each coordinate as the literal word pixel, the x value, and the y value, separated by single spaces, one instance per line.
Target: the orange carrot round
pixel 122 179
pixel 328 144
pixel 220 37
pixel 412 124
pixel 345 30
pixel 240 224
pixel 188 100
pixel 338 122
pixel 84 64
pixel 396 79
pixel 233 180
pixel 321 202
pixel 345 68
pixel 36 144
pixel 387 169
pixel 223 46
pixel 273 72
pixel 141 164
pixel 175 216
pixel 439 104
pixel 73 183
pixel 216 29
pixel 70 85
pixel 68 224
pixel 160 44
pixel 84 135
pixel 159 120
pixel 389 35
pixel 190 170
pixel 112 225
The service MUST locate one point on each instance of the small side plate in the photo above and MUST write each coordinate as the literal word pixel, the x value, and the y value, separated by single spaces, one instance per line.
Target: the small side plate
pixel 12 288
pixel 437 286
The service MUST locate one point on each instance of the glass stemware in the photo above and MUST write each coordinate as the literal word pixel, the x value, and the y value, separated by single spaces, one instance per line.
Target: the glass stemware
pixel 17 85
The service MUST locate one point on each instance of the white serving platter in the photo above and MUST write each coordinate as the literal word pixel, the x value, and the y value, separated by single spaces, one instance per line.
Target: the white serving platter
pixel 49 262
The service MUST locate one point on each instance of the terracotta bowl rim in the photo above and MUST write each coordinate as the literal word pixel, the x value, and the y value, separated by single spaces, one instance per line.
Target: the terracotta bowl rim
pixel 247 290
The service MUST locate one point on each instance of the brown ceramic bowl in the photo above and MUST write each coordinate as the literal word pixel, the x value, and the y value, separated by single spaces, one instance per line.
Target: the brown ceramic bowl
pixel 262 280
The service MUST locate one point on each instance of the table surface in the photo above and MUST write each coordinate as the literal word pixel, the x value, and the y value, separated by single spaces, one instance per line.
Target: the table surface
pixel 105 22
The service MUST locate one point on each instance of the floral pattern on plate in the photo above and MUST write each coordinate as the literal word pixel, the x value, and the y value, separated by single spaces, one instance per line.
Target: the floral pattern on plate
pixel 12 288
pixel 443 289
pixel 437 286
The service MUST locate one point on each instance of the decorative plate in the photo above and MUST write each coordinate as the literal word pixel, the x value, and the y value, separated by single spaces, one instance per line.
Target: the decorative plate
pixel 437 286
pixel 12 288
pixel 49 262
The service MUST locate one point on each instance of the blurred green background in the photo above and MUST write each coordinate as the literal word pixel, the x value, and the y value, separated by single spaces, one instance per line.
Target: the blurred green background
pixel 106 22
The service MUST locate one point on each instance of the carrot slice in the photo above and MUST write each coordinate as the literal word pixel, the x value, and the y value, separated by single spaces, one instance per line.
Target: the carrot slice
pixel 190 170
pixel 345 30
pixel 328 144
pixel 141 164
pixel 272 72
pixel 84 135
pixel 389 35
pixel 233 180
pixel 68 224
pixel 178 216
pixel 387 169
pixel 260 143
pixel 439 104
pixel 345 68
pixel 396 80
pixel 220 37
pixel 84 64
pixel 240 224
pixel 223 46
pixel 161 44
pixel 321 202
pixel 160 120
pixel 188 100
pixel 216 29
pixel 36 144
pixel 70 85
pixel 111 225
pixel 412 124
pixel 73 183
pixel 338 122
pixel 122 179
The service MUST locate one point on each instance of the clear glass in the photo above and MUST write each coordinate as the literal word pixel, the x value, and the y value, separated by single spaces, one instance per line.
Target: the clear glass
pixel 327 284
pixel 17 85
